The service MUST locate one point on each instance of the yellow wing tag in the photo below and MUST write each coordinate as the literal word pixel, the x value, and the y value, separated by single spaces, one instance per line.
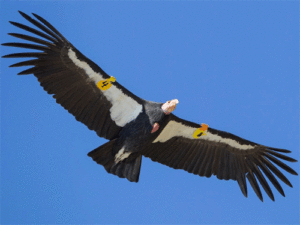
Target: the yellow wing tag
pixel 200 131
pixel 105 84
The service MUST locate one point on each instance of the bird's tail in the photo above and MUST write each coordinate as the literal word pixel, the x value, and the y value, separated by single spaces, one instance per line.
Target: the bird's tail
pixel 128 168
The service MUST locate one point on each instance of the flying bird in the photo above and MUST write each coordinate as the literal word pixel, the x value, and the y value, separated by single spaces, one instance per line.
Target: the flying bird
pixel 136 127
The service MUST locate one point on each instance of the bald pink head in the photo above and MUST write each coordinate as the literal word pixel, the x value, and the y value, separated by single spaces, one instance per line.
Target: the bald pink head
pixel 169 106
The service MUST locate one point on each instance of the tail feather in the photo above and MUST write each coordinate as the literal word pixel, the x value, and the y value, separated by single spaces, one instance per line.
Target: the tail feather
pixel 128 168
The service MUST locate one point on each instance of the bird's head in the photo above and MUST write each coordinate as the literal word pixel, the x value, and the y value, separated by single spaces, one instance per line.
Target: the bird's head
pixel 169 106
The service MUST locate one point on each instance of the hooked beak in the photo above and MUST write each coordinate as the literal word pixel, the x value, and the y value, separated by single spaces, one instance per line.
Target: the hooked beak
pixel 169 106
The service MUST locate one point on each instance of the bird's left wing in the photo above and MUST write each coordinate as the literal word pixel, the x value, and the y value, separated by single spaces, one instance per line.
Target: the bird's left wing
pixel 78 84
pixel 204 151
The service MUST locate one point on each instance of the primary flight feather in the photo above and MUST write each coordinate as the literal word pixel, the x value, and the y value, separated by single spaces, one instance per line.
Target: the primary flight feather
pixel 136 127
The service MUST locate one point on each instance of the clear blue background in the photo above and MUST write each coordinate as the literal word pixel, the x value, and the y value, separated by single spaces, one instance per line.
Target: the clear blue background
pixel 233 65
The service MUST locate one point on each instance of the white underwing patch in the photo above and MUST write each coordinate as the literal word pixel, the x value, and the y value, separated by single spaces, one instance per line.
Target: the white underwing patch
pixel 231 142
pixel 121 155
pixel 83 65
pixel 124 109
pixel 174 128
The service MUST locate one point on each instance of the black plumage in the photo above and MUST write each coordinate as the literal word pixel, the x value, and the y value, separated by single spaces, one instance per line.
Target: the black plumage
pixel 128 122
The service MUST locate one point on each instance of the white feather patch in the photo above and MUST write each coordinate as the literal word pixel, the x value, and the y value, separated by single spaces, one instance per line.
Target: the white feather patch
pixel 231 142
pixel 174 128
pixel 83 65
pixel 124 109
pixel 121 155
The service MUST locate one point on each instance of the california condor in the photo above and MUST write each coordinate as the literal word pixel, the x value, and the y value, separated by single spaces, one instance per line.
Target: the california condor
pixel 136 127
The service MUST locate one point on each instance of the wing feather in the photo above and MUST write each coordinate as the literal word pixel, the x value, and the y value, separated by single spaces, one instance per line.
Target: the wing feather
pixel 276 171
pixel 194 159
pixel 242 184
pixel 34 31
pixel 32 62
pixel 33 39
pixel 261 179
pixel 182 159
pixel 278 155
pixel 27 46
pixel 281 164
pixel 210 157
pixel 43 28
pixel 270 177
pixel 189 157
pixel 254 184
pixel 204 161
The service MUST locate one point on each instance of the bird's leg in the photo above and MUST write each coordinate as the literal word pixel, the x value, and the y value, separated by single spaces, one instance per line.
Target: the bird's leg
pixel 155 127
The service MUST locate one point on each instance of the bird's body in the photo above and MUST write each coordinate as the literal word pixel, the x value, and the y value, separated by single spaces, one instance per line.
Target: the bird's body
pixel 136 127
pixel 133 136
pixel 137 132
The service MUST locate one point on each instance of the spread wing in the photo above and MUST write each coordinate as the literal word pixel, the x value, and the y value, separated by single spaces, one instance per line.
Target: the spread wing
pixel 203 151
pixel 76 82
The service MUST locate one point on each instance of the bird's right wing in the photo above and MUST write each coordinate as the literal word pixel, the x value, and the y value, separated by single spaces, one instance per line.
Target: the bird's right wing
pixel 204 151
pixel 78 84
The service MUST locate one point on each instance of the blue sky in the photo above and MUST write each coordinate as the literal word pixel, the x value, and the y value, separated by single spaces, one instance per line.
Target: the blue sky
pixel 233 65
